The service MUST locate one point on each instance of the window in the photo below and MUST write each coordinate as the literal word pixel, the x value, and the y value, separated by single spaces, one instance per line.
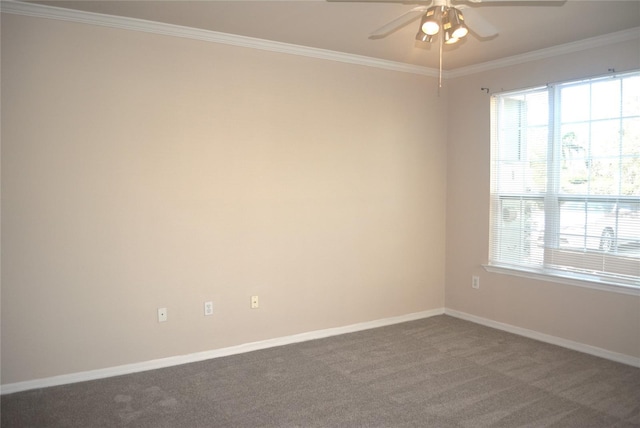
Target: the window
pixel 565 180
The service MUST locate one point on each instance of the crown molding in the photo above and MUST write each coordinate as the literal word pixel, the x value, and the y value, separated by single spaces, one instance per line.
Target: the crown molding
pixel 124 23
pixel 567 48
pixel 44 11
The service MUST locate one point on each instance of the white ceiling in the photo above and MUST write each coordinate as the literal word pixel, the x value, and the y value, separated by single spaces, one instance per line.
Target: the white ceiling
pixel 524 26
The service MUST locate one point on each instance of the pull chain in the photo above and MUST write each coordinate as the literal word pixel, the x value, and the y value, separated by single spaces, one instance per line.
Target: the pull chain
pixel 440 73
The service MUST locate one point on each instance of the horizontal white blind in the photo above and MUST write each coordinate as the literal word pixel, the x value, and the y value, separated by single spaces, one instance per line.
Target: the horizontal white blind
pixel 565 180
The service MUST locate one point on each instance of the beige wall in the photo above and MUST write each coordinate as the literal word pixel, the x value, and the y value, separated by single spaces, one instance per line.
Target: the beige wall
pixel 141 171
pixel 602 319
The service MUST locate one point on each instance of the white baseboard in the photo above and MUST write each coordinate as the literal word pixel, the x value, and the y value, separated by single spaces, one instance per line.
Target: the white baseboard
pixel 302 337
pixel 206 355
pixel 532 334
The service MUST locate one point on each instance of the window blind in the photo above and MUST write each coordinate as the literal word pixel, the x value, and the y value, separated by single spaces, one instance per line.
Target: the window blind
pixel 565 180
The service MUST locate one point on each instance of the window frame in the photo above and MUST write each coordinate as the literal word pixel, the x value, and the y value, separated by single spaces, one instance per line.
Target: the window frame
pixel 551 199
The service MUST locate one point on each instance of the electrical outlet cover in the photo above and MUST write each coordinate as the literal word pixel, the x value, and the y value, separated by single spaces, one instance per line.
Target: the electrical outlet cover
pixel 162 314
pixel 208 308
pixel 475 282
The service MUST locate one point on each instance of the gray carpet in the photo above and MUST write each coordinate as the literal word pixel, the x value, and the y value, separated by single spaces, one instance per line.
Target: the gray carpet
pixel 435 372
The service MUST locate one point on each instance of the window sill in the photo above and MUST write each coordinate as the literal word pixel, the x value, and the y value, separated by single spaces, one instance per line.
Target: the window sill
pixel 586 282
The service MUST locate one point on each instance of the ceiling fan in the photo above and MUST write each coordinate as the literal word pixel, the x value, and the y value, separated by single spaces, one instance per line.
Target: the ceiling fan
pixel 440 17
pixel 446 18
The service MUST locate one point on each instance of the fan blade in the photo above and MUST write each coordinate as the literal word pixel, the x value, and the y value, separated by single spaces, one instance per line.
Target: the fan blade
pixel 526 2
pixel 384 1
pixel 478 24
pixel 399 22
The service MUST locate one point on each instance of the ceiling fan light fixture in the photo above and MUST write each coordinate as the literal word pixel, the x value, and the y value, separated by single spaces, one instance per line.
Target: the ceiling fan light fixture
pixel 453 25
pixel 449 38
pixel 456 21
pixel 424 37
pixel 459 33
pixel 430 24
